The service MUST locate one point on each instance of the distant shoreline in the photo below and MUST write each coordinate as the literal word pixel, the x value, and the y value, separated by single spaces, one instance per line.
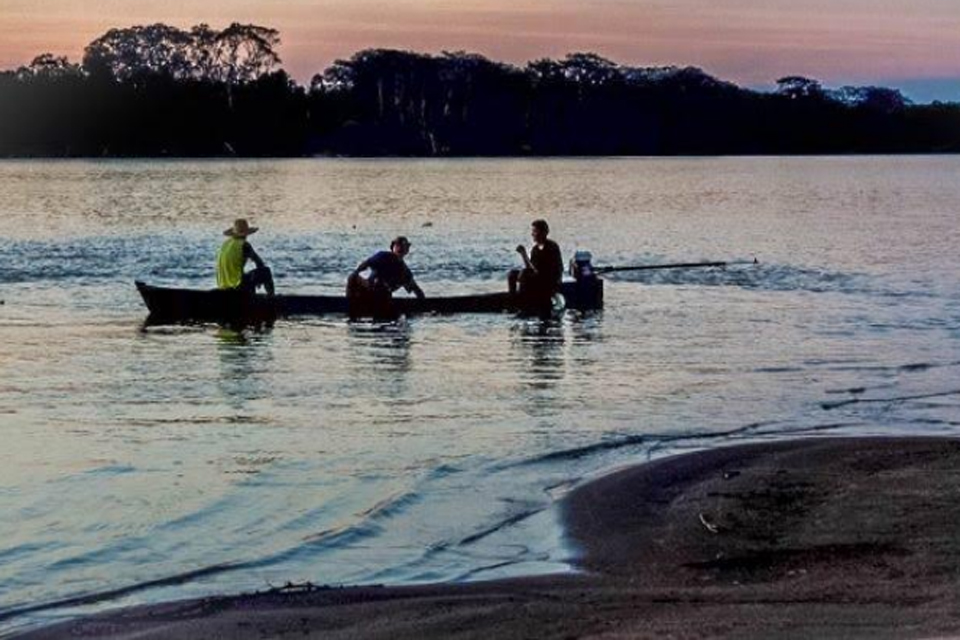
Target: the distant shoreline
pixel 156 90
pixel 820 537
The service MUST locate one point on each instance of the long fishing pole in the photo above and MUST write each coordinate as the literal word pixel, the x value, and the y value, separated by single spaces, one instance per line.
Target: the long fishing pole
pixel 676 265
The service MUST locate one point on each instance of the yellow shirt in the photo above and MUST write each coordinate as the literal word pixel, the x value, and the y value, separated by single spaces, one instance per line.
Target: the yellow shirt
pixel 230 262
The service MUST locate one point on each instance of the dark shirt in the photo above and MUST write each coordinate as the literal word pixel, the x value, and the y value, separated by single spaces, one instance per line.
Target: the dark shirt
pixel 548 263
pixel 390 271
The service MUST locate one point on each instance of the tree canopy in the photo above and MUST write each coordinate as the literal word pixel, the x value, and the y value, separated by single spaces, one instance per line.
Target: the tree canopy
pixel 159 90
pixel 240 53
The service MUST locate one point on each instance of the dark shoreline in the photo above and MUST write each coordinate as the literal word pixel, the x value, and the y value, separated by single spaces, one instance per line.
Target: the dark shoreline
pixel 825 537
pixel 155 99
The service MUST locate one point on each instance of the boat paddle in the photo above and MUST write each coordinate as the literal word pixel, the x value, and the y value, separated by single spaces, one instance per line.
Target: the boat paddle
pixel 676 265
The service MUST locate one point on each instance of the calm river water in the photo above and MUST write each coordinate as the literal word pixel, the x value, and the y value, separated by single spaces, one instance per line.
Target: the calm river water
pixel 140 465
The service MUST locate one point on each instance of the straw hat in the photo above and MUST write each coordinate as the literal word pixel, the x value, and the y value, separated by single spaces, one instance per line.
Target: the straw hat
pixel 240 229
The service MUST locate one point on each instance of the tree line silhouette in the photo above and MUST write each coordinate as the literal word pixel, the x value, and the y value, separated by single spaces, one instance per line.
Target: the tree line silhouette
pixel 162 91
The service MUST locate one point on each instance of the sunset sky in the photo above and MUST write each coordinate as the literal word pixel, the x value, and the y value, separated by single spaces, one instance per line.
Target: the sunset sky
pixel 911 44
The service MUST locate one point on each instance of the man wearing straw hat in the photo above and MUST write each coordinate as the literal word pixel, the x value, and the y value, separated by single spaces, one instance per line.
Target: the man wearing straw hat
pixel 234 254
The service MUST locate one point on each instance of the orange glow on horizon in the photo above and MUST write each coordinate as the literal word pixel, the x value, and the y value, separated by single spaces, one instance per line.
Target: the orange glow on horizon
pixel 746 41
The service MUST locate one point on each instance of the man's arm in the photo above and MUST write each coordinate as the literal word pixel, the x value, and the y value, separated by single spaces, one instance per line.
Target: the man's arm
pixel 363 266
pixel 250 254
pixel 410 284
pixel 415 289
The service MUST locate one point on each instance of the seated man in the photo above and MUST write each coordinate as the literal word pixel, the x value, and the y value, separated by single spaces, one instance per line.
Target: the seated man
pixel 542 272
pixel 388 272
pixel 234 254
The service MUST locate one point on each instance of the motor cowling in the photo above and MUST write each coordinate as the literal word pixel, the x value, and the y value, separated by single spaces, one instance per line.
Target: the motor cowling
pixel 581 266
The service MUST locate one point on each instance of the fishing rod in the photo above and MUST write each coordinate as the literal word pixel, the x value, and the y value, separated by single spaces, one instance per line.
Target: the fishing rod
pixel 676 265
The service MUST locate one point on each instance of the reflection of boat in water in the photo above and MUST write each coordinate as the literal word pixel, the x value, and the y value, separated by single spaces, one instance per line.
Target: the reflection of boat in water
pixel 171 305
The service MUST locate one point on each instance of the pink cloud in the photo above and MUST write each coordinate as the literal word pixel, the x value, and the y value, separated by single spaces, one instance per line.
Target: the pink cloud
pixel 748 41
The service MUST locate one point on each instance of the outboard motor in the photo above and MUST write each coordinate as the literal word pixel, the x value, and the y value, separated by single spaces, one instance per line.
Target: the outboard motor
pixel 586 292
pixel 581 267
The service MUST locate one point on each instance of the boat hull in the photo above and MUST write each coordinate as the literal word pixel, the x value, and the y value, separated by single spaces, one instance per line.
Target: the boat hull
pixel 172 305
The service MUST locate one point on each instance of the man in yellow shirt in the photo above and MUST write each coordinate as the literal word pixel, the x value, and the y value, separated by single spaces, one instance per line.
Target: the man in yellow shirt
pixel 234 254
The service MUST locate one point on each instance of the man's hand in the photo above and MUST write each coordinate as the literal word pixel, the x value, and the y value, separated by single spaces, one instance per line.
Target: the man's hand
pixel 522 250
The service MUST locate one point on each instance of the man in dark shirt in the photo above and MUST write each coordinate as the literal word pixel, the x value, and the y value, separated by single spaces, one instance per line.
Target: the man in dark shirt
pixel 542 270
pixel 388 272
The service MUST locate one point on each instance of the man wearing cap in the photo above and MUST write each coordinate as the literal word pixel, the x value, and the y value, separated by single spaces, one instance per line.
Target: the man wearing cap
pixel 388 272
pixel 234 254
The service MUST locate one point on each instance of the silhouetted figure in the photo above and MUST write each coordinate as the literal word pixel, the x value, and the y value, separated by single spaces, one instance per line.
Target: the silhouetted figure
pixel 542 271
pixel 388 272
pixel 233 256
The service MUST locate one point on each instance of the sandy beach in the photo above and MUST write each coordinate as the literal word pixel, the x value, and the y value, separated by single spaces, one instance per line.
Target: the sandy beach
pixel 851 537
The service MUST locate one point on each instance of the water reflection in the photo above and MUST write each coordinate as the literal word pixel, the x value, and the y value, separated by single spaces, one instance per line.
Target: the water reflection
pixel 383 346
pixel 586 326
pixel 558 361
pixel 243 354
pixel 549 347
pixel 542 344
pixel 380 363
pixel 229 336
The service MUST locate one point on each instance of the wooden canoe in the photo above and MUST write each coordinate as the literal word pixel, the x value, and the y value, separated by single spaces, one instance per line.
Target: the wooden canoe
pixel 172 305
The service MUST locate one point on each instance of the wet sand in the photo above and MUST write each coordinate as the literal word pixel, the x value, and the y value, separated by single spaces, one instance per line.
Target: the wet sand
pixel 852 537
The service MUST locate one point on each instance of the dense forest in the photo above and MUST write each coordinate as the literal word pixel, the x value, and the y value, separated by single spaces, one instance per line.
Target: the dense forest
pixel 162 91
